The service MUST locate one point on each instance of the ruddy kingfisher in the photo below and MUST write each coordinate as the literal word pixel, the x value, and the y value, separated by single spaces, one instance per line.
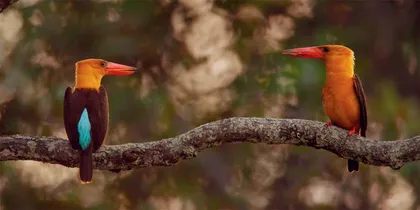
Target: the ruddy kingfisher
pixel 342 96
pixel 86 110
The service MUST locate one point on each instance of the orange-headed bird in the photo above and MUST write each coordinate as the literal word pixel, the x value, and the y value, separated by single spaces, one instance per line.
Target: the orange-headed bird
pixel 86 110
pixel 342 96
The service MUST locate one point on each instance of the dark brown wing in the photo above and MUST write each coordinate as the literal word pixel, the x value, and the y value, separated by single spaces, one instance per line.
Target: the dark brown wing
pixel 97 108
pixel 74 103
pixel 358 88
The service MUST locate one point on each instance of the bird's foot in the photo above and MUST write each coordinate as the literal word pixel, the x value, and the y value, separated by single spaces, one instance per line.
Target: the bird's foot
pixel 327 124
pixel 352 131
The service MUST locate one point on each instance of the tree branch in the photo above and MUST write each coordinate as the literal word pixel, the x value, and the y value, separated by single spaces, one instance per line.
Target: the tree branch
pixel 168 152
pixel 6 3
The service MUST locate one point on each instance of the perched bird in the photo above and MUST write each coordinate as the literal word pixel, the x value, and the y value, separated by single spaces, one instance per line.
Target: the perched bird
pixel 86 110
pixel 342 96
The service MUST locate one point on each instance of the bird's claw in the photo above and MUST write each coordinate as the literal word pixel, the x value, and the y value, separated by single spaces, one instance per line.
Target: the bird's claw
pixel 327 124
pixel 352 131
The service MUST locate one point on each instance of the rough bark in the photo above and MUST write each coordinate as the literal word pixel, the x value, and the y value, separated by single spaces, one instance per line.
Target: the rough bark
pixel 6 3
pixel 168 152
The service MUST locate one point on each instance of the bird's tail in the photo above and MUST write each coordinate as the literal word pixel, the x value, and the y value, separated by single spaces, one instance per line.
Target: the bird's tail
pixel 86 165
pixel 352 165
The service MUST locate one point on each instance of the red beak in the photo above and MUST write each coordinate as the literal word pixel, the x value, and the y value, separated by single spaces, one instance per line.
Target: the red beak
pixel 118 69
pixel 304 52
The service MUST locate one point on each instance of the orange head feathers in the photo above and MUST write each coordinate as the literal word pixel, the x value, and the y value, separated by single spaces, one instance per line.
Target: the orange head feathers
pixel 337 58
pixel 324 52
pixel 89 72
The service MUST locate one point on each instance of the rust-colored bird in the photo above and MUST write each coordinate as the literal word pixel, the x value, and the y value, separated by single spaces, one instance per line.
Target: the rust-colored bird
pixel 342 96
pixel 86 110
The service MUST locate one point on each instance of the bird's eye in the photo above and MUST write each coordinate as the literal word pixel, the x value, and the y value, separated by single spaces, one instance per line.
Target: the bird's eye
pixel 103 63
pixel 326 49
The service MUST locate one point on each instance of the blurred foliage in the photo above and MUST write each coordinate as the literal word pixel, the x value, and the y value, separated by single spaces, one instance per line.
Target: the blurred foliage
pixel 37 64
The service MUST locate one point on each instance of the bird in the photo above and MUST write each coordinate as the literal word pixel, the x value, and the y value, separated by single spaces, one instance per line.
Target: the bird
pixel 85 109
pixel 343 97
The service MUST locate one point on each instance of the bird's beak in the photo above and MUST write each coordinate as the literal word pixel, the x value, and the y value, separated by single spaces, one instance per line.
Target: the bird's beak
pixel 304 52
pixel 118 69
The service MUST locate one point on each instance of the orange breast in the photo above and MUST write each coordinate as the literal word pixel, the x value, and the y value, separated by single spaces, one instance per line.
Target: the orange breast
pixel 340 102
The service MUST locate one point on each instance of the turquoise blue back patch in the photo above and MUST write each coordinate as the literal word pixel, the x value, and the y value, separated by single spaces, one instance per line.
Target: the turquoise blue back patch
pixel 83 127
